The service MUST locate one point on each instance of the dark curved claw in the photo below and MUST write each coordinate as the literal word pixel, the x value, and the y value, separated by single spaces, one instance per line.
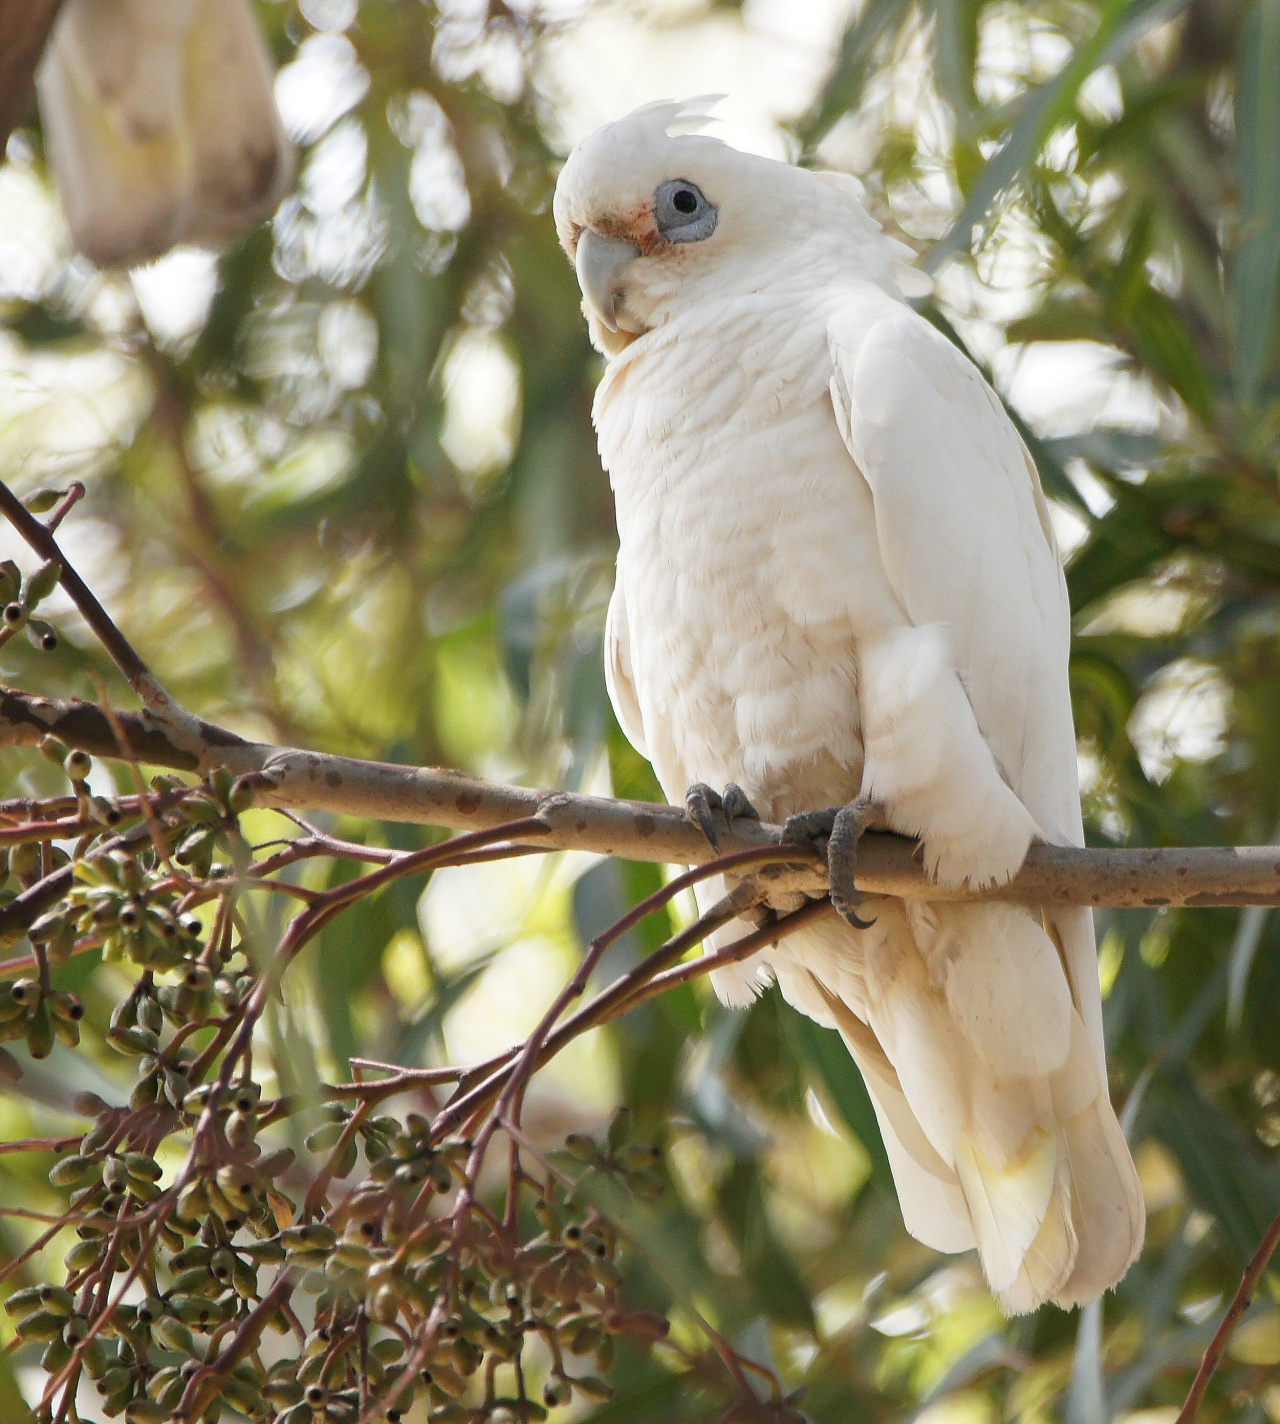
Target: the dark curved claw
pixel 701 803
pixel 837 831
pixel 842 860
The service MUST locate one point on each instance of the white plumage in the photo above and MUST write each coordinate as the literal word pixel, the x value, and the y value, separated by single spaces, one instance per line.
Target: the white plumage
pixel 837 578
pixel 161 125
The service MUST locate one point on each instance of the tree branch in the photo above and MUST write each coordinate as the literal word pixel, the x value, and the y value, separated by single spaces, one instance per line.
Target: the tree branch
pixel 297 780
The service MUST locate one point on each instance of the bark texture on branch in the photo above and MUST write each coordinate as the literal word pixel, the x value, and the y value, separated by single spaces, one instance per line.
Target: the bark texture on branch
pixel 24 30
pixel 434 796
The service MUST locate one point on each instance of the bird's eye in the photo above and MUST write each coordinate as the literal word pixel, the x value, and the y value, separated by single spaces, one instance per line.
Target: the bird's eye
pixel 682 212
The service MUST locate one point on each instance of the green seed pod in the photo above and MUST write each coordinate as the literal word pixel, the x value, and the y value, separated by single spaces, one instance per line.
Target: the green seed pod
pixel 42 635
pixel 281 1392
pixel 315 1236
pixel 103 811
pixel 174 1335
pixel 620 1129
pixel 241 1395
pixel 191 1256
pixel 25 992
pixel 324 1137
pixel 556 1391
pixel 197 1281
pixel 40 1033
pixel 245 1279
pixel 146 1411
pixel 193 1202
pixel 82 1256
pixel 41 584
pixel 41 1325
pixel 264 1253
pixel 75 1330
pixel 14 615
pixel 354 1255
pixel 150 1017
pixel 71 1171
pixel 241 1128
pixel 10 580
pixel 53 748
pixel 140 1042
pixel 236 1184
pixel 42 501
pixel 24 860
pixel 95 1358
pixel 145 1091
pixel 275 1162
pixel 453 1414
pixel 66 1006
pixel 78 765
pixel 592 1387
pixel 57 1353
pixel 166 1386
pixel 200 810
pixel 139 1165
pixel 240 797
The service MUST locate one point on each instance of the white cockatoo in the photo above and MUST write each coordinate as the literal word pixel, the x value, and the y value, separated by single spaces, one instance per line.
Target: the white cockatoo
pixel 161 125
pixel 838 582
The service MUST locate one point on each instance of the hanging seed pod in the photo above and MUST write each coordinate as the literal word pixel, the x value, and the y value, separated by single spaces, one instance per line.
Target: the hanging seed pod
pixel 138 1042
pixel 170 1332
pixel 25 992
pixel 82 1256
pixel 51 1298
pixel 57 1354
pixel 556 1391
pixel 42 635
pixel 281 1391
pixel 24 861
pixel 72 1171
pixel 14 616
pixel 40 1325
pixel 40 1035
pixel 242 1395
pixel 41 584
pixel 146 1411
pixel 66 1007
pixel 592 1387
pixel 193 1202
pixel 236 1184
pixel 78 765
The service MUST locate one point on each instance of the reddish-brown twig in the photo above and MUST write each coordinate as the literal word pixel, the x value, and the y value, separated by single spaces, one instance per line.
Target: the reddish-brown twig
pixel 1240 1302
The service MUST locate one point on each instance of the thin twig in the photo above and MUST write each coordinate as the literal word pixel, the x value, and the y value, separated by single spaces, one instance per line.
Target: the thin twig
pixel 1240 1302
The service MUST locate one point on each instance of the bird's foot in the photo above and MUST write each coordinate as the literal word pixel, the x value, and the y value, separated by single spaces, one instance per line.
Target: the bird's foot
pixel 837 832
pixel 701 803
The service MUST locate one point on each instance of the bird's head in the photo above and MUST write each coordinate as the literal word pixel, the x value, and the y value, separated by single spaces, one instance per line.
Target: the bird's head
pixel 656 218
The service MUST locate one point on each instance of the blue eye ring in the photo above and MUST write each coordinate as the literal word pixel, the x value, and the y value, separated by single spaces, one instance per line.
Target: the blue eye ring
pixel 682 211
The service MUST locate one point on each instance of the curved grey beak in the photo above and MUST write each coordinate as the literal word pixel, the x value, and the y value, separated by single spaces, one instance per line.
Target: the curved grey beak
pixel 598 262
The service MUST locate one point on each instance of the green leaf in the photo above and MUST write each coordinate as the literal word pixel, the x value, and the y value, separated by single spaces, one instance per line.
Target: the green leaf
pixel 1218 1163
pixel 830 1067
pixel 1255 272
pixel 852 68
pixel 1121 25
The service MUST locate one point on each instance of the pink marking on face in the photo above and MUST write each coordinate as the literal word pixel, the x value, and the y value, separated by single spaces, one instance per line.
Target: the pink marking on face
pixel 636 226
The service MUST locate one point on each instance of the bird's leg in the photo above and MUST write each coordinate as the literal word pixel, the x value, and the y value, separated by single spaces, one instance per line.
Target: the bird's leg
pixel 838 831
pixel 701 803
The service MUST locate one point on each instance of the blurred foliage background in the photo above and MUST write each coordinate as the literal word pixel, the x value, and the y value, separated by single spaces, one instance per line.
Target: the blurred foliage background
pixel 343 492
